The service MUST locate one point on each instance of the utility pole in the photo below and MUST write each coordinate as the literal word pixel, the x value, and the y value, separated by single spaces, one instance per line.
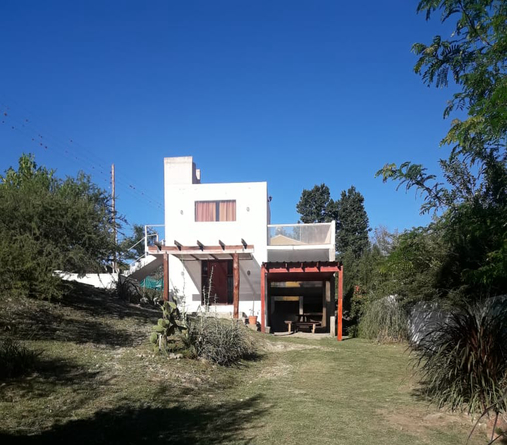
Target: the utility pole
pixel 113 208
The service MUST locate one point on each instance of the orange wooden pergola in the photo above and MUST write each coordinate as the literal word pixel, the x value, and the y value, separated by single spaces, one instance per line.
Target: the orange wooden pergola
pixel 302 271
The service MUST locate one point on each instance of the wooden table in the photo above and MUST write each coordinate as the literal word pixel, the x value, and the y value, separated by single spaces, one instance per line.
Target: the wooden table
pixel 306 319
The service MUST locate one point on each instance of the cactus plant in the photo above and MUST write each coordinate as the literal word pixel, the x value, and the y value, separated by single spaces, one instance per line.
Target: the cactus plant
pixel 167 326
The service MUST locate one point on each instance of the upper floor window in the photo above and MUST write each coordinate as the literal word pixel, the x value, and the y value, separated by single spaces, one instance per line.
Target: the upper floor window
pixel 215 211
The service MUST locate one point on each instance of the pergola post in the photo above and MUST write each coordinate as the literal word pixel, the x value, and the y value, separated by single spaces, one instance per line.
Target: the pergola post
pixel 340 304
pixel 166 277
pixel 263 298
pixel 235 275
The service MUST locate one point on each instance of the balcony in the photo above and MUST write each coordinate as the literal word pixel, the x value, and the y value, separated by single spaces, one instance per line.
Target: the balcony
pixel 301 242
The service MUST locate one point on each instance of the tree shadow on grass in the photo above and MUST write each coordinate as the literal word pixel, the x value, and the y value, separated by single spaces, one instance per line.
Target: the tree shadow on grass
pixel 46 374
pixel 422 393
pixel 100 302
pixel 85 315
pixel 43 323
pixel 210 423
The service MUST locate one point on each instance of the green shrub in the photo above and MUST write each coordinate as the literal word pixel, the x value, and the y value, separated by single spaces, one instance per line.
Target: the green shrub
pixel 384 320
pixel 221 341
pixel 16 360
pixel 464 360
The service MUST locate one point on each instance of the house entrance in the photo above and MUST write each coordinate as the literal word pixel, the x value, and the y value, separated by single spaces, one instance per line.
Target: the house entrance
pixel 219 274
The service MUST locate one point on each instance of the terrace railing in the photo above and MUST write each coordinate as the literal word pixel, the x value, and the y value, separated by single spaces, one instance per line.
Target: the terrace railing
pixel 300 234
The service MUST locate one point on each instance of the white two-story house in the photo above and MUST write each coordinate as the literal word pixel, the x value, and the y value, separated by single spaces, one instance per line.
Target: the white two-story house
pixel 221 250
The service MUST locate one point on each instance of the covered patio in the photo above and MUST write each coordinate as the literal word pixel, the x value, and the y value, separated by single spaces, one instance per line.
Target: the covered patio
pixel 308 296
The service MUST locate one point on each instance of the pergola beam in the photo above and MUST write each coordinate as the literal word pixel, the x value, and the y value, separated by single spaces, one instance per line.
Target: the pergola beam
pixel 315 267
pixel 200 247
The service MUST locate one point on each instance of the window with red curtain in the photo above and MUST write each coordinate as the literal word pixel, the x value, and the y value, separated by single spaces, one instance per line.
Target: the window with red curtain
pixel 215 211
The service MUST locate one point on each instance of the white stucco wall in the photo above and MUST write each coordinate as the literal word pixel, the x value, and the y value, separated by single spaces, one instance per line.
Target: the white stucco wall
pixel 181 170
pixel 180 195
pixel 99 280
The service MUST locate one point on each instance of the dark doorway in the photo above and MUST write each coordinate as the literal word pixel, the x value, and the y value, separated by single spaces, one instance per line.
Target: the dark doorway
pixel 283 311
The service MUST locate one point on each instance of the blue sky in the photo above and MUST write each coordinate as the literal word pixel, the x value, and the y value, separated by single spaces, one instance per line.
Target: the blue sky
pixel 295 93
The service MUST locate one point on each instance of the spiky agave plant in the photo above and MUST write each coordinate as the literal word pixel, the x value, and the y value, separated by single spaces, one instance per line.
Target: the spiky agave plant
pixel 464 359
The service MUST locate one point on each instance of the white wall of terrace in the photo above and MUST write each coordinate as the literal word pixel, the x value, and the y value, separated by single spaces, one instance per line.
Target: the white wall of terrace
pixel 301 242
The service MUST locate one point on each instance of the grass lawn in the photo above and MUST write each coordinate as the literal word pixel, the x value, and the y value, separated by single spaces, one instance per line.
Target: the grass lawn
pixel 99 382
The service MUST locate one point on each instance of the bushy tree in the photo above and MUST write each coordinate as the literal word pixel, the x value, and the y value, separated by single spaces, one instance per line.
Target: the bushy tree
pixel 49 224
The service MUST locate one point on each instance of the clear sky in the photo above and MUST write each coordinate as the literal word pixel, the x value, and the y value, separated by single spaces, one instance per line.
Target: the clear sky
pixel 295 93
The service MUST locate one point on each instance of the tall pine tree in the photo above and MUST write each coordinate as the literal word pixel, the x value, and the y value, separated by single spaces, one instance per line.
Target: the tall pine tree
pixel 352 223
pixel 316 205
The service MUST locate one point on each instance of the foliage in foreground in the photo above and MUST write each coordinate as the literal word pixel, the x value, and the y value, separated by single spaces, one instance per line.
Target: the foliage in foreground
pixel 16 360
pixel 49 224
pixel 473 198
pixel 462 255
pixel 221 341
pixel 464 359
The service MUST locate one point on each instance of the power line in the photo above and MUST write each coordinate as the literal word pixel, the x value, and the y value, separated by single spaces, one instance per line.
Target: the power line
pixel 69 145
pixel 48 142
